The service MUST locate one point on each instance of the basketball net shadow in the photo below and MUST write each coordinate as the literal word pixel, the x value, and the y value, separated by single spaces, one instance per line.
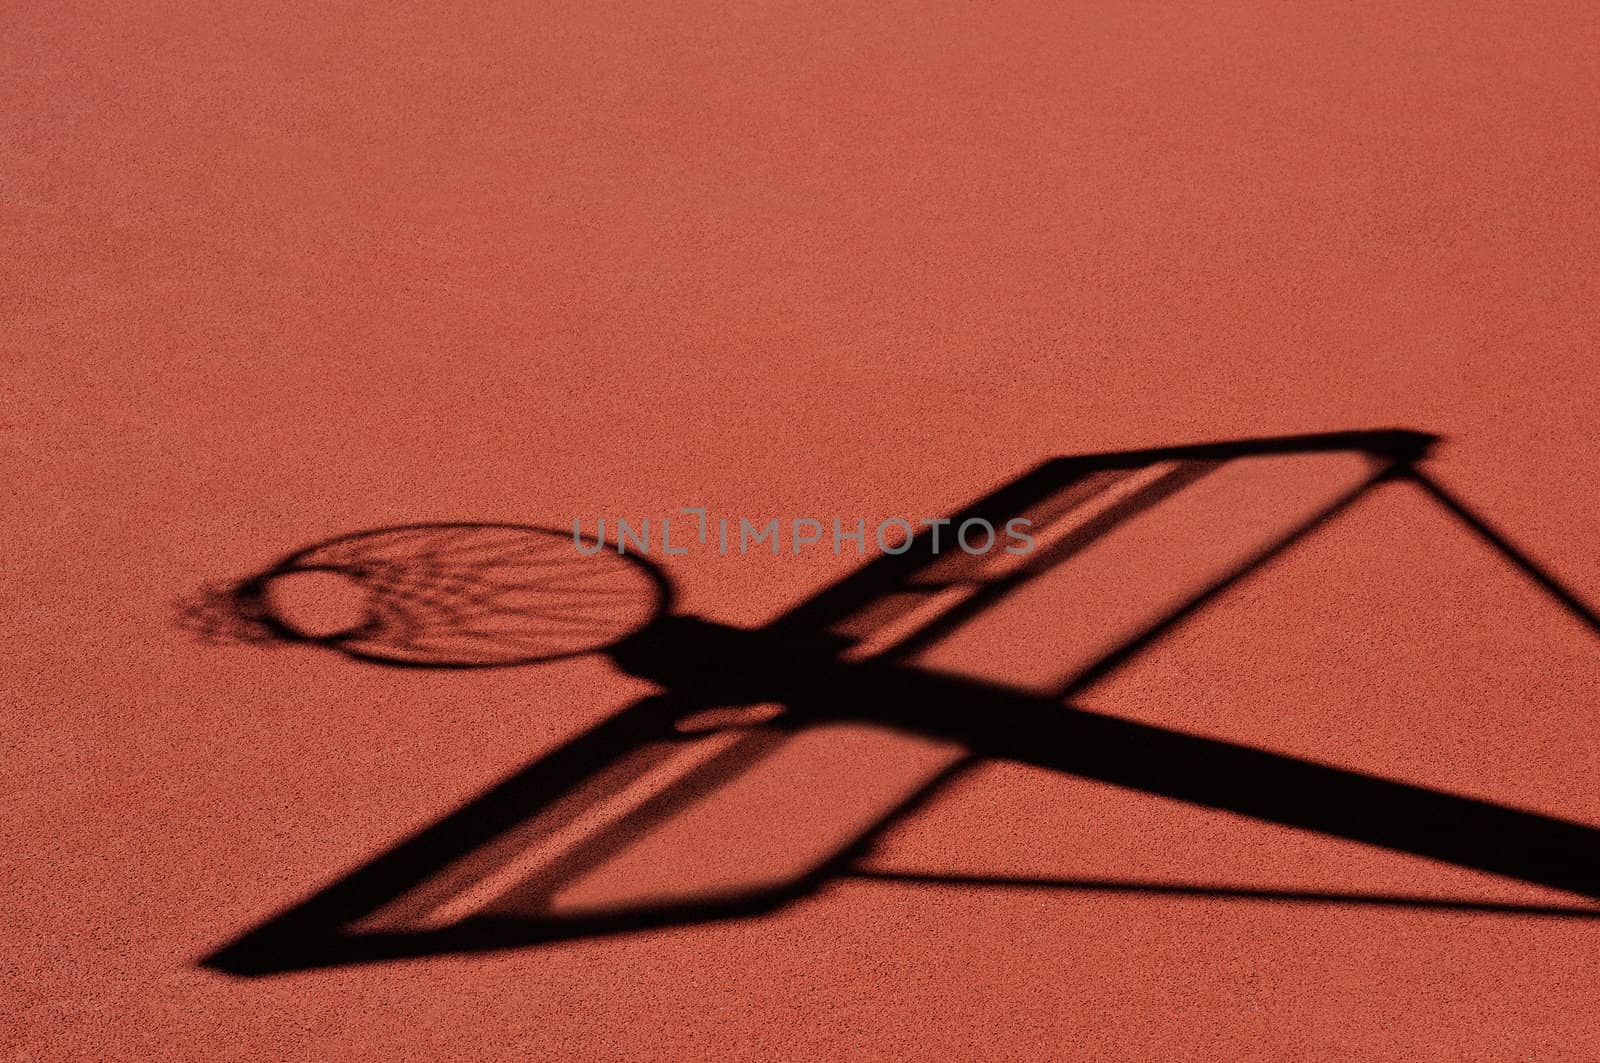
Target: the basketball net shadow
pixel 867 674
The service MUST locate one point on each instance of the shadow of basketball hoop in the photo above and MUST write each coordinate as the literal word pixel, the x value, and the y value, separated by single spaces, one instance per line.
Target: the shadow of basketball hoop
pixel 448 595
pixel 627 826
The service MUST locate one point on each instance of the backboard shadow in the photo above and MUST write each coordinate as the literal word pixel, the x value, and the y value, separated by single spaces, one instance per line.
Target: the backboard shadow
pixel 628 825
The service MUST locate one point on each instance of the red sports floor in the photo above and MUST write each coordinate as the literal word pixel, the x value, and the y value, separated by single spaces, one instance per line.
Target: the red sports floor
pixel 272 274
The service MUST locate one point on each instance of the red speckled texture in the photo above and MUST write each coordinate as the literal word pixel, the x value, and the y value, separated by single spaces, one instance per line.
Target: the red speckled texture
pixel 273 273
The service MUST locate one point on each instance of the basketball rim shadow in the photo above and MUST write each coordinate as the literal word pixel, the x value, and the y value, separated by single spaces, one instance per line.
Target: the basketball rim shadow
pixel 856 655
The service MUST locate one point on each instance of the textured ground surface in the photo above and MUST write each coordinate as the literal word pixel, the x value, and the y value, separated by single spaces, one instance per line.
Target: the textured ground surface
pixel 271 274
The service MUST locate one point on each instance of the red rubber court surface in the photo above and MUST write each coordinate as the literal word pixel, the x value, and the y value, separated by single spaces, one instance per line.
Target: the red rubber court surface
pixel 274 274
